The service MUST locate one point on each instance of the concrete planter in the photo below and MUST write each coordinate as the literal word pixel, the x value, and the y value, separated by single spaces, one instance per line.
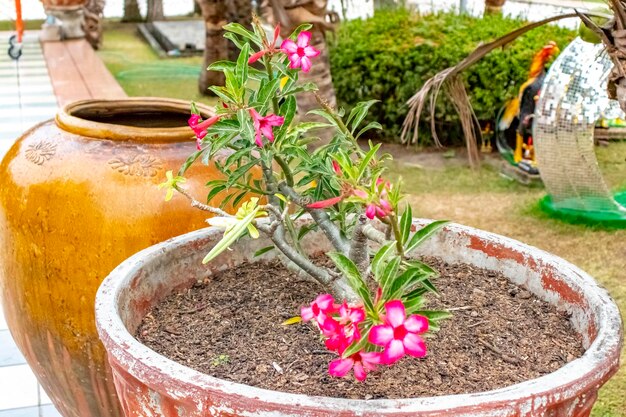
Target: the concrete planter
pixel 149 385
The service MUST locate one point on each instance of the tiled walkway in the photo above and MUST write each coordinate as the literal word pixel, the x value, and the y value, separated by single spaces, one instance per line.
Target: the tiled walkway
pixel 26 98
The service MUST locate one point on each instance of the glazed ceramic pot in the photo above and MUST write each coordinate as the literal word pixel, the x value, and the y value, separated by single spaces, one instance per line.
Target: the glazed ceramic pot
pixel 150 385
pixel 78 195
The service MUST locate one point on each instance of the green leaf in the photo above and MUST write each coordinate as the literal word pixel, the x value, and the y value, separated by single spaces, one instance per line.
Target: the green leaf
pixel 358 113
pixel 366 160
pixel 214 191
pixel 241 70
pixel 243 32
pixel 406 221
pixel 263 250
pixel 235 39
pixel 231 236
pixel 424 233
pixel 405 282
pixel 369 126
pixel 389 273
pixel 381 256
pixel 351 272
pixel 325 115
pixel 221 66
pixel 223 93
pixel 192 158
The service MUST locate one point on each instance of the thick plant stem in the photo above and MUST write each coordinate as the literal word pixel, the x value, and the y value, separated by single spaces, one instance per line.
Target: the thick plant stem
pixel 359 253
pixel 320 217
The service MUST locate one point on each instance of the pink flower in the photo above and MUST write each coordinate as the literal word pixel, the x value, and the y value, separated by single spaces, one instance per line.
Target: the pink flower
pixel 337 168
pixel 361 362
pixel 200 128
pixel 370 211
pixel 343 332
pixel 263 126
pixel 300 52
pixel 270 48
pixel 319 309
pixel 400 334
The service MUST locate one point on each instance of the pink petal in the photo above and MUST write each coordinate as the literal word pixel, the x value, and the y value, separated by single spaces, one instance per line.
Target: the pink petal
pixel 306 64
pixel 274 120
pixel 325 302
pixel 329 326
pixel 414 345
pixel 325 203
pixel 208 122
pixel 306 313
pixel 340 367
pixel 393 352
pixel 337 168
pixel 395 313
pixel 194 119
pixel 276 34
pixel 371 359
pixel 385 205
pixel 359 372
pixel 381 335
pixel 357 315
pixel 360 193
pixel 258 140
pixel 267 131
pixel 256 56
pixel 380 212
pixel 289 47
pixel 303 39
pixel 370 211
pixel 416 324
pixel 311 52
pixel 294 61
pixel 256 118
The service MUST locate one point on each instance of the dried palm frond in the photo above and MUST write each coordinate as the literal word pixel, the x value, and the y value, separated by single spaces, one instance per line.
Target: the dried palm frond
pixel 450 81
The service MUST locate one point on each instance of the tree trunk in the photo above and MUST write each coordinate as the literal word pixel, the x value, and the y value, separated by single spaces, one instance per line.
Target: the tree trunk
pixel 155 11
pixel 92 22
pixel 494 6
pixel 214 13
pixel 131 11
pixel 239 11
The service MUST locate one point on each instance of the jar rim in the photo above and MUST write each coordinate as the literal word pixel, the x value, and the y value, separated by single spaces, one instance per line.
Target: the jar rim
pixel 68 120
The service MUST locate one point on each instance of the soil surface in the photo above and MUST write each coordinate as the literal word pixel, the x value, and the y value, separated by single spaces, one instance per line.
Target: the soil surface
pixel 229 326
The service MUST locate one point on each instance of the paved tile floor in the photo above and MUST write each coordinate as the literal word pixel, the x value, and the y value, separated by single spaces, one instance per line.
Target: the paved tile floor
pixel 26 98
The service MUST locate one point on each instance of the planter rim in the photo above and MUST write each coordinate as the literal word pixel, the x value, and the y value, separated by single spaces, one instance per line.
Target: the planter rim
pixel 600 360
pixel 66 119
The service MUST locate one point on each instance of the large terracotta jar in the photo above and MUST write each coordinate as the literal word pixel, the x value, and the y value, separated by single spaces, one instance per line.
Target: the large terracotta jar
pixel 78 195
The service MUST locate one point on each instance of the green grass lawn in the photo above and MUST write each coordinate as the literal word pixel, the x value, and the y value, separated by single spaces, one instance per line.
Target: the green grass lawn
pixel 141 72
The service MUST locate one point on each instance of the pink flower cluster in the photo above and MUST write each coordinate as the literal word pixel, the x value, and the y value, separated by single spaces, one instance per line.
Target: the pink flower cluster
pixel 339 324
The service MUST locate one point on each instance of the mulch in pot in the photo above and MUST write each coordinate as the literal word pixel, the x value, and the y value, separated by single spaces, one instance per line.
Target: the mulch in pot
pixel 229 326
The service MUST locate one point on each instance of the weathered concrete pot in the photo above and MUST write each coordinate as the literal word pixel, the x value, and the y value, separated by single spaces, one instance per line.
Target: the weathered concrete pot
pixel 150 385
pixel 78 195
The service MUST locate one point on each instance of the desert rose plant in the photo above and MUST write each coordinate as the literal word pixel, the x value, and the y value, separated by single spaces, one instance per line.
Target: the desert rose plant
pixel 372 313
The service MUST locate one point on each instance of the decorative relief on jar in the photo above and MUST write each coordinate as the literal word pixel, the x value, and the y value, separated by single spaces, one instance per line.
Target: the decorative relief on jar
pixel 40 152
pixel 137 165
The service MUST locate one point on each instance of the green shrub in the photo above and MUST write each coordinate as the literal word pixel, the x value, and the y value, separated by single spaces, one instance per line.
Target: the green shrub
pixel 388 57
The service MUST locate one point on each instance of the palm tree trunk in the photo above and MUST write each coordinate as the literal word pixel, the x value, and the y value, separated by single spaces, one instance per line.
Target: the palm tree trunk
pixel 131 11
pixel 494 6
pixel 215 17
pixel 155 11
pixel 239 11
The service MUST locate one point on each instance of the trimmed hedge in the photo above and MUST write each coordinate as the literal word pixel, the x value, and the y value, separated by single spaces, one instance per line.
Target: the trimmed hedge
pixel 389 56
